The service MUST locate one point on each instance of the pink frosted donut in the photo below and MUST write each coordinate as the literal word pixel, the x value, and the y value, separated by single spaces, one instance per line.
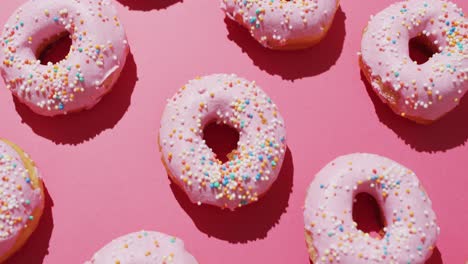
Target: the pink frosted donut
pixel 144 247
pixel 21 198
pixel 332 236
pixel 425 92
pixel 97 54
pixel 192 165
pixel 280 24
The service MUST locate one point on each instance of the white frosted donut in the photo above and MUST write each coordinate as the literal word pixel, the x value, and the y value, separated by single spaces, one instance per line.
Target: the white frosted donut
pixel 426 92
pixel 281 24
pixel 96 58
pixel 144 247
pixel 333 237
pixel 21 198
pixel 252 168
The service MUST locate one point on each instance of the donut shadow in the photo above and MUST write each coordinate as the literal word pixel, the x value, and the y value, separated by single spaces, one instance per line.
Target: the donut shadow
pixel 37 246
pixel 148 5
pixel 295 64
pixel 248 223
pixel 368 214
pixel 436 257
pixel 222 139
pixel 75 128
pixel 444 134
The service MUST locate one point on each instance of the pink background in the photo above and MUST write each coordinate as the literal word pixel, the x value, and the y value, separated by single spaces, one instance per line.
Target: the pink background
pixel 102 167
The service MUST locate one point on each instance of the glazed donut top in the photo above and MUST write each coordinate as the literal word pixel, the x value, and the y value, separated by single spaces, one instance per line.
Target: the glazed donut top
pixel 144 247
pixel 20 194
pixel 274 23
pixel 252 168
pixel 97 54
pixel 429 90
pixel 411 226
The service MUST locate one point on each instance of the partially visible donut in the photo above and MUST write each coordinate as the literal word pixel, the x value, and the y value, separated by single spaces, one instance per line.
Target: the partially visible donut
pixel 97 54
pixel 425 92
pixel 192 165
pixel 144 247
pixel 283 24
pixel 333 237
pixel 21 198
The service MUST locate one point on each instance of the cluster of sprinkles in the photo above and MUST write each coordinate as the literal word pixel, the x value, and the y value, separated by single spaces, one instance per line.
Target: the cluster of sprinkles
pixel 51 87
pixel 411 226
pixel 444 78
pixel 17 194
pixel 165 259
pixel 139 247
pixel 261 147
pixel 255 14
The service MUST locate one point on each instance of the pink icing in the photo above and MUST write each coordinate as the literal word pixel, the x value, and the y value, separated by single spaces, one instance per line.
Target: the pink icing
pixel 18 198
pixel 97 55
pixel 144 247
pixel 240 104
pixel 426 91
pixel 275 23
pixel 411 230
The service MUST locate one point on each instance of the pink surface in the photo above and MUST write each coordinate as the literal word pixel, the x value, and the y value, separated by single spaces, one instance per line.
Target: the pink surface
pixel 103 172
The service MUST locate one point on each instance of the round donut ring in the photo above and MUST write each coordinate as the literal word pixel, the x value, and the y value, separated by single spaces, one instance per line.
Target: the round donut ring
pixel 21 196
pixel 192 165
pixel 144 247
pixel 332 236
pixel 282 24
pixel 97 54
pixel 426 92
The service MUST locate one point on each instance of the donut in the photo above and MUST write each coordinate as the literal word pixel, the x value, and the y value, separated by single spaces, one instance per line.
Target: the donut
pixel 332 236
pixel 144 247
pixel 21 198
pixel 97 54
pixel 282 24
pixel 420 92
pixel 193 166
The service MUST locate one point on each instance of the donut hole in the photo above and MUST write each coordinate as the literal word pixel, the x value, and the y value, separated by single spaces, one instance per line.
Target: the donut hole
pixel 421 49
pixel 368 215
pixel 222 139
pixel 54 49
